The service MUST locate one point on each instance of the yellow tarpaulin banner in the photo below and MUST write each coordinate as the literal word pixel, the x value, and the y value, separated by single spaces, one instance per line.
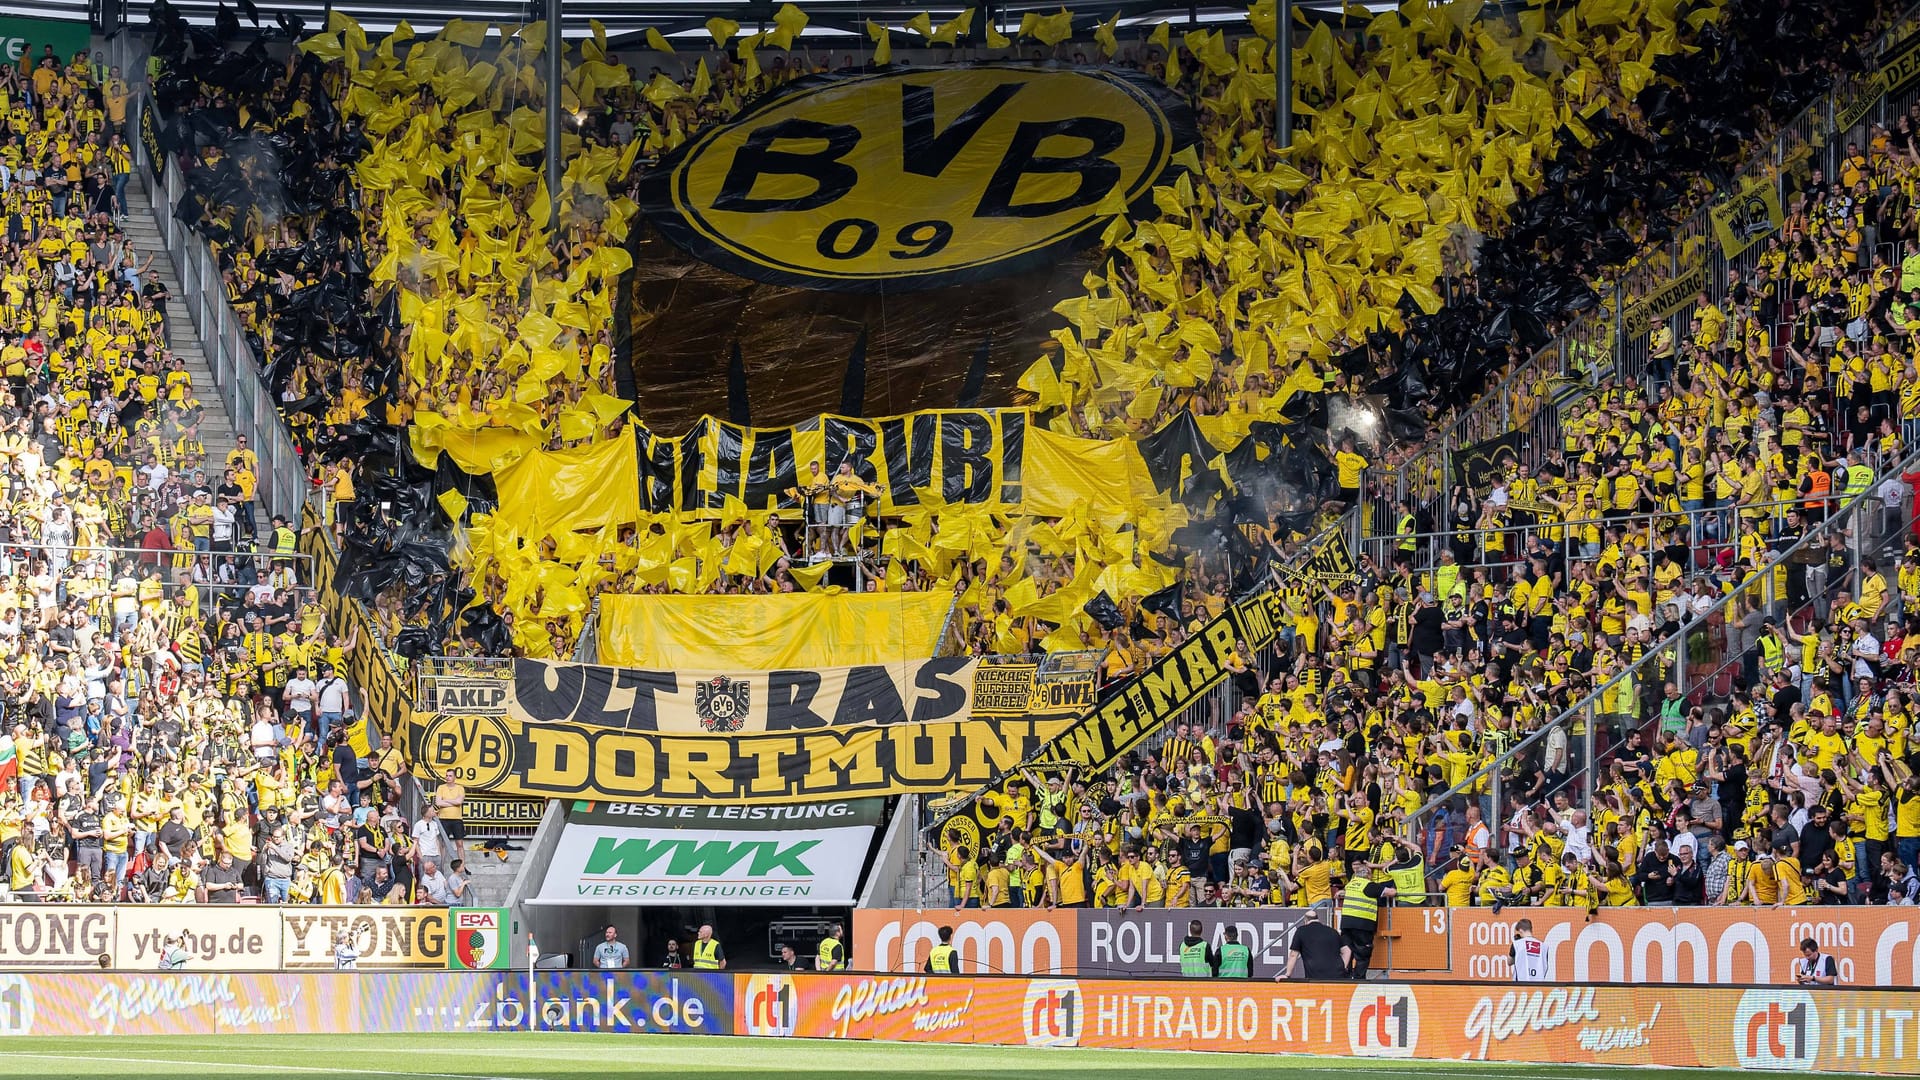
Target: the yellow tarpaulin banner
pixel 781 630
pixel 559 491
pixel 1110 476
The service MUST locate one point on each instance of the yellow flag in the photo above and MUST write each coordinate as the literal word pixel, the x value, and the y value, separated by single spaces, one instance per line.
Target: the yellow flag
pixel 951 30
pixel 787 22
pixel 722 30
pixel 1162 36
pixel 809 576
pixel 1047 29
pixel 996 39
pixel 921 24
pixel 657 41
pixel 454 503
pixel 882 42
pixel 1103 36
pixel 702 82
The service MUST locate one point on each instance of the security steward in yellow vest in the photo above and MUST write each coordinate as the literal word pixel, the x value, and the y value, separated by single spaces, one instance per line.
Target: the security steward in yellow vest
pixel 1198 960
pixel 707 953
pixel 1405 530
pixel 1359 918
pixel 944 959
pixel 832 955
pixel 1859 479
pixel 1408 873
pixel 1773 648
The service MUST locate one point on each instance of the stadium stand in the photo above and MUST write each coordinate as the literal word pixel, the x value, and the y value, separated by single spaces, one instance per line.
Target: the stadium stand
pixel 177 727
pixel 1731 505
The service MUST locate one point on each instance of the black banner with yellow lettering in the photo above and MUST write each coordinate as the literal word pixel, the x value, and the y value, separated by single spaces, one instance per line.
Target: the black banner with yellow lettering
pixel 721 703
pixel 1131 712
pixel 502 755
pixel 1145 703
pixel 932 458
pixel 384 696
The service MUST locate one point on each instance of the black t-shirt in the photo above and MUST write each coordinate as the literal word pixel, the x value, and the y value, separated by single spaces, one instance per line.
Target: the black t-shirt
pixel 1196 855
pixel 175 837
pixel 1733 789
pixel 1815 841
pixel 1319 947
pixel 86 821
pixel 213 875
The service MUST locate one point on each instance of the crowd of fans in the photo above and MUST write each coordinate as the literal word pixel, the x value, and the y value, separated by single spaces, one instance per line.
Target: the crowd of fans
pixel 174 723
pixel 1784 775
pixel 502 347
pixel 1385 692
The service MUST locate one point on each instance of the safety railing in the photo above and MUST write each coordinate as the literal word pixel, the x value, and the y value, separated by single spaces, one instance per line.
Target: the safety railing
pixel 1498 549
pixel 236 370
pixel 1567 746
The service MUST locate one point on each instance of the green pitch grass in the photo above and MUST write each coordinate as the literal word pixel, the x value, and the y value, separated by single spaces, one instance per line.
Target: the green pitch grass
pixel 563 1056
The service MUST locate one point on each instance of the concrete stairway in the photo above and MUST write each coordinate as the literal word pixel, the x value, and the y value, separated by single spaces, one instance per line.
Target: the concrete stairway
pixel 216 430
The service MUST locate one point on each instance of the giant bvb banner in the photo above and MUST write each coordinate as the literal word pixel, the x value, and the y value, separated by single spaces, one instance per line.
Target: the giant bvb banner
pixel 914 178
pixel 928 217
pixel 579 730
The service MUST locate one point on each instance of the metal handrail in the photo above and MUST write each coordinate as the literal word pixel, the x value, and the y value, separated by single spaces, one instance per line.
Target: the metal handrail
pixel 1653 652
pixel 250 405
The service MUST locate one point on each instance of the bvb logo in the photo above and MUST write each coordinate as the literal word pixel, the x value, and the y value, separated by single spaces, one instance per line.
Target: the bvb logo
pixel 475 751
pixel 721 703
pixel 917 179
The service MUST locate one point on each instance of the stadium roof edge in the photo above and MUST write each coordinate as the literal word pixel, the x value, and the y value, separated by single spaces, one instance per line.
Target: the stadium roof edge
pixel 626 20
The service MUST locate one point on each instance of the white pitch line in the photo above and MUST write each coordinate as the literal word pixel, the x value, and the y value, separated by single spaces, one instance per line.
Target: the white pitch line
pixel 185 1060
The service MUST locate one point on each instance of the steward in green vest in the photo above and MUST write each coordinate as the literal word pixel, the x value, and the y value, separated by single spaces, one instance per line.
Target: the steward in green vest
pixel 944 959
pixel 1198 960
pixel 1236 960
pixel 284 538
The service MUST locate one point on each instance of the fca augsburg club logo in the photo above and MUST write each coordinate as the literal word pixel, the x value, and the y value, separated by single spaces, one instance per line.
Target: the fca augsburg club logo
pixel 1383 1022
pixel 1777 1029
